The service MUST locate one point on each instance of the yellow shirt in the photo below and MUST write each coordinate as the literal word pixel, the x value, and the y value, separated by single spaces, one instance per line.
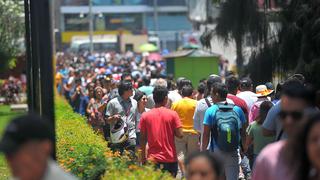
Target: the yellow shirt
pixel 185 109
pixel 58 78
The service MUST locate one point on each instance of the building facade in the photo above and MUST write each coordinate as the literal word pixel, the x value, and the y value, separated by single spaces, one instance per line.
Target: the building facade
pixel 168 19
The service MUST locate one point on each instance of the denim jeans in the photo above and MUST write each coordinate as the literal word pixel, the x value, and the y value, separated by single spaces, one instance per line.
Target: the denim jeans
pixel 231 161
pixel 245 165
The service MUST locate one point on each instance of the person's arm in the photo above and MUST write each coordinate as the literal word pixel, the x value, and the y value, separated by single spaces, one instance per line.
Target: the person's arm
pixel 196 119
pixel 143 143
pixel 65 87
pixel 269 124
pixel 244 123
pixel 89 107
pixel 169 103
pixel 111 117
pixel 177 126
pixel 178 133
pixel 205 139
pixel 103 106
pixel 143 139
pixel 249 139
pixel 74 96
pixel 207 124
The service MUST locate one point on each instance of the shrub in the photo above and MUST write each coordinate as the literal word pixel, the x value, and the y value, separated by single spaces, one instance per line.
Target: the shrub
pixel 85 154
pixel 79 150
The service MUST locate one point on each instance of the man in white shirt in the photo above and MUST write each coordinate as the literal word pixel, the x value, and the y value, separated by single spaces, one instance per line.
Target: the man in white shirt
pixel 246 88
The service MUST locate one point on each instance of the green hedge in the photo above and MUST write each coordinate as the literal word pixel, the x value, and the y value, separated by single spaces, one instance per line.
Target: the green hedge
pixel 85 154
pixel 79 149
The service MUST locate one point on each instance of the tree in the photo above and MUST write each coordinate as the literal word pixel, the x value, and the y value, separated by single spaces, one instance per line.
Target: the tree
pixel 11 31
pixel 237 19
pixel 297 48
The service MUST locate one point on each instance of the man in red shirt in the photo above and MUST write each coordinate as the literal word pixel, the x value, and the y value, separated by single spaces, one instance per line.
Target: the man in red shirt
pixel 158 127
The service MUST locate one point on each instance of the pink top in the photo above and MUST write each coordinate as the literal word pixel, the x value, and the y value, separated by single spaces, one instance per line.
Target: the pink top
pixel 255 109
pixel 269 165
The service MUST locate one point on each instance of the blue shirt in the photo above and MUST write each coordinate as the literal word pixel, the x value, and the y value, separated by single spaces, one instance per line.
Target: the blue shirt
pixel 210 119
pixel 273 123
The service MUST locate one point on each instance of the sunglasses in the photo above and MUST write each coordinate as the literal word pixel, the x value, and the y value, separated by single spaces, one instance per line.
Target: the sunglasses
pixel 295 115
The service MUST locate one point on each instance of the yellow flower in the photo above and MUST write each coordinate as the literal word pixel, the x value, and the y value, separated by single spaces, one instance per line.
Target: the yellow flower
pixel 133 167
pixel 116 154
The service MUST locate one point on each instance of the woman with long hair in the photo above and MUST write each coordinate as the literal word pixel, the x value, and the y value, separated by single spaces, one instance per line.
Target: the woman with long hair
pixel 95 118
pixel 297 158
pixel 302 151
pixel 141 99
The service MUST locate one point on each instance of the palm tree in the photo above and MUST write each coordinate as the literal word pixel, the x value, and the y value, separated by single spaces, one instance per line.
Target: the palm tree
pixel 237 19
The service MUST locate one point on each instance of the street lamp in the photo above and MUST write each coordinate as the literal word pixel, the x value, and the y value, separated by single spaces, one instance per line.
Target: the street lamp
pixel 90 27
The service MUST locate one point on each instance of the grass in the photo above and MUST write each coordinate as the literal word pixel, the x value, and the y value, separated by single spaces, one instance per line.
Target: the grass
pixel 5 116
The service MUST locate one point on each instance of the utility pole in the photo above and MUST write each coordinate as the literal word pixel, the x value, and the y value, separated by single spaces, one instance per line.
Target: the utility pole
pixel 39 59
pixel 155 16
pixel 207 14
pixel 90 26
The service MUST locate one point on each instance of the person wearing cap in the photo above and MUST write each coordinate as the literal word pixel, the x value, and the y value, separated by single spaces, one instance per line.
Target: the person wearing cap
pixel 27 144
pixel 246 88
pixel 262 94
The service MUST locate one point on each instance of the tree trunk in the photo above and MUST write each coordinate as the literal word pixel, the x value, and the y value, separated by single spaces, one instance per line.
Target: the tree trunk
pixel 239 59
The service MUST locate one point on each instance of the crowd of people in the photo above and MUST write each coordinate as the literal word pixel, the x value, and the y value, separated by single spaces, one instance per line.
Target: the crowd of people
pixel 223 128
pixel 12 89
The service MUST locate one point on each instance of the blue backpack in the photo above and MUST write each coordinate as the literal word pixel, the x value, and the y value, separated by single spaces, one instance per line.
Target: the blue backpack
pixel 226 128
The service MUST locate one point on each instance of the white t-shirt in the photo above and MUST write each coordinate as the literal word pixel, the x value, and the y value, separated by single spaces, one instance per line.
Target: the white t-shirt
pixel 173 96
pixel 249 97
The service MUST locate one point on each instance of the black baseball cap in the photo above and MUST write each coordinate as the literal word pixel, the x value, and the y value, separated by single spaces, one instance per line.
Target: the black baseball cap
pixel 269 86
pixel 24 129
pixel 212 79
pixel 246 82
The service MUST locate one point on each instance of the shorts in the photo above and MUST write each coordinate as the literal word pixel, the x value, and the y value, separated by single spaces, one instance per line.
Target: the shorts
pixel 187 145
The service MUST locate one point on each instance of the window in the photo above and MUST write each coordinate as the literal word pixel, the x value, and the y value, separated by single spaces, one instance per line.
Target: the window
pixel 73 22
pixel 131 22
pixel 168 2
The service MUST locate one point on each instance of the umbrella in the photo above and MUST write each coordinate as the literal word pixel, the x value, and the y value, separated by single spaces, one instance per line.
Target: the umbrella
pixel 191 46
pixel 154 57
pixel 148 47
